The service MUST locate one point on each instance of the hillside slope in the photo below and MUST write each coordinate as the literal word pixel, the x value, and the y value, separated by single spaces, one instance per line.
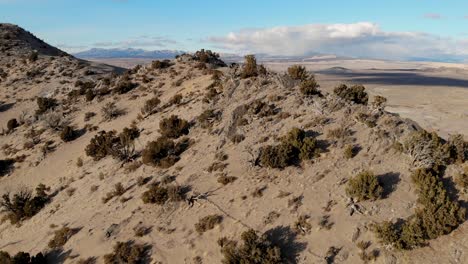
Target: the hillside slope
pixel 216 164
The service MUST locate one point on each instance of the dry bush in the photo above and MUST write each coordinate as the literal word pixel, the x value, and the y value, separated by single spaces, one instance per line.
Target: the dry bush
pixel 88 116
pixel 208 222
pixel 302 224
pixel 279 156
pixel 160 194
pixel 173 127
pixel 461 179
pixel 458 148
pixel 298 72
pixel 254 249
pixel 164 152
pixel 6 165
pixel 436 215
pixel 55 121
pixel 427 149
pixel 207 56
pixel 262 109
pixel 207 118
pixel 110 111
pixel 151 106
pixel 176 99
pixel 250 67
pixel 379 101
pixel 22 258
pixel 44 104
pixel 126 252
pixel 349 152
pixel 364 186
pixel 22 205
pixel 61 237
pixel 355 93
pixel 124 86
pixel 157 64
pixel 68 134
pixel 12 124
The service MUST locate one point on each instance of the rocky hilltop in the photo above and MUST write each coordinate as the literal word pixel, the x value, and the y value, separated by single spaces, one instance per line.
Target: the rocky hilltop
pixel 195 161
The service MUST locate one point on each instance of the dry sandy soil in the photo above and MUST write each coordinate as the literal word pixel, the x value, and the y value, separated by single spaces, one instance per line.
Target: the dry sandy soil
pixel 264 199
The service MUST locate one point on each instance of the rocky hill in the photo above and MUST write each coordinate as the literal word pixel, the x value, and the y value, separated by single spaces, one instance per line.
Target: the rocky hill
pixel 192 161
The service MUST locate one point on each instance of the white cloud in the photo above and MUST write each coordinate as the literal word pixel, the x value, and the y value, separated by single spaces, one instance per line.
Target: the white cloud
pixel 362 39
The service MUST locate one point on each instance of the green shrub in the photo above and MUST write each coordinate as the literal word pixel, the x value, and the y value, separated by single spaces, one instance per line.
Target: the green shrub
pixel 298 72
pixel 295 145
pixel 12 124
pixel 365 186
pixel 355 93
pixel 254 249
pixel 207 223
pixel 44 104
pixel 126 252
pixel 437 214
pixel 250 67
pixel 310 87
pixel 279 156
pixel 173 127
pixel 23 205
pixel 163 152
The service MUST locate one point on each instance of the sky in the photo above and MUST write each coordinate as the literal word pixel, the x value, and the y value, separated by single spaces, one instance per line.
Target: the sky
pixel 386 29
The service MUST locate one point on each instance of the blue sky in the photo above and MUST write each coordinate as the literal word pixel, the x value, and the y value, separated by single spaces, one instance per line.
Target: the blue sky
pixel 347 27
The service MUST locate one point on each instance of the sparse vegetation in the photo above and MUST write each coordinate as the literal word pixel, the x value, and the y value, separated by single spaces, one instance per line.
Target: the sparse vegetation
pixel 68 134
pixel 22 258
pixel 151 106
pixel 364 186
pixel 44 104
pixel 159 194
pixel 310 87
pixel 110 111
pixel 163 152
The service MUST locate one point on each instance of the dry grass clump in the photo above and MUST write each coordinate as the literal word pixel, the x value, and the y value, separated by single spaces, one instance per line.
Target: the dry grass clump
pixel 208 117
pixel 364 186
pixel 110 111
pixel 119 190
pixel 355 93
pixel 22 258
pixel 22 205
pixel 164 152
pixel 298 72
pixel 61 237
pixel 437 214
pixel 54 121
pixel 225 180
pixel 124 85
pixel 176 99
pixel 349 152
pixel 253 249
pixel 208 222
pixel 173 127
pixel 126 252
pixel 296 145
pixel 151 106
pixel 302 225
pixel 44 104
pixel 160 194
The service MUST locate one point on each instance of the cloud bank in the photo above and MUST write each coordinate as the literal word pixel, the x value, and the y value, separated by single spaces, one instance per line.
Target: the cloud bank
pixel 363 40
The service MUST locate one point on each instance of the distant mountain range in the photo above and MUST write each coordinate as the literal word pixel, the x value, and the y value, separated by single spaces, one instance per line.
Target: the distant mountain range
pixel 97 53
